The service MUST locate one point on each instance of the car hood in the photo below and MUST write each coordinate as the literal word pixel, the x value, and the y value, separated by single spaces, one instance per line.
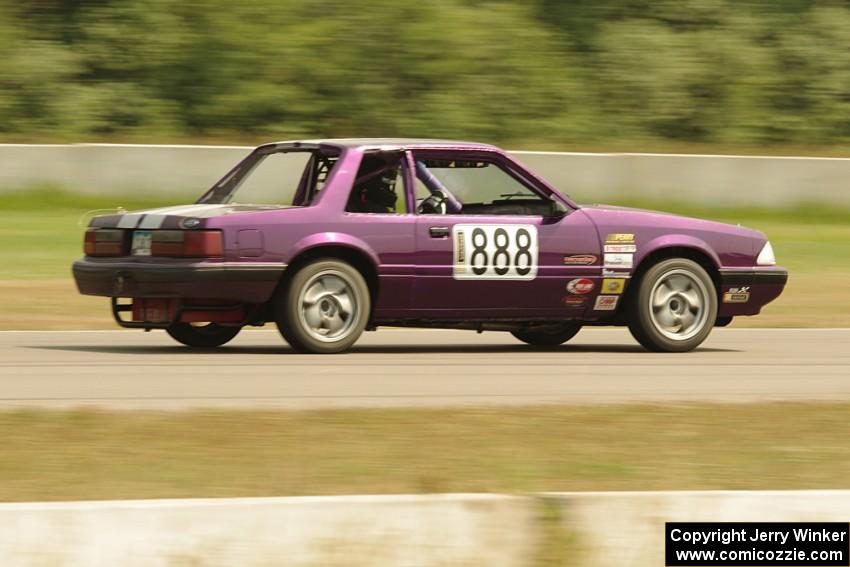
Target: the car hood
pixel 171 217
pixel 611 216
pixel 603 207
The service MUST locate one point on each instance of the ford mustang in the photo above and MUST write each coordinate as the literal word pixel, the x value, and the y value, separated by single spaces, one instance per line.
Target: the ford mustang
pixel 329 238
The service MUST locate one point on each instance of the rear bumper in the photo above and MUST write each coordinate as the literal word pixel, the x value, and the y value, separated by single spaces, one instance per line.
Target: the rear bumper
pixel 746 291
pixel 232 281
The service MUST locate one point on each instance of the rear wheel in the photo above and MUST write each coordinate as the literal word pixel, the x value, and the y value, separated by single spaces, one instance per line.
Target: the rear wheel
pixel 205 335
pixel 324 308
pixel 675 306
pixel 548 336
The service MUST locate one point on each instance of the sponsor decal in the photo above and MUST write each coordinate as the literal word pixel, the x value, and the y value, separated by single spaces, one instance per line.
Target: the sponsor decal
pixel 614 274
pixel 626 238
pixel 574 300
pixel 619 260
pixel 737 295
pixel 580 286
pixel 613 286
pixel 494 251
pixel 606 302
pixel 580 259
pixel 621 248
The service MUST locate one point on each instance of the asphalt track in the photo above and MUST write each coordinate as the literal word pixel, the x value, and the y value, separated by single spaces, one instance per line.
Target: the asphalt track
pixel 134 370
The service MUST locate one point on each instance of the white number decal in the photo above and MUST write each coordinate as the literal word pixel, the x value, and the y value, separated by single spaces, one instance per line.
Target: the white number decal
pixel 494 251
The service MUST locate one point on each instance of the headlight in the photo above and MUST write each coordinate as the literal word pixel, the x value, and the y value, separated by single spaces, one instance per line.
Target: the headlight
pixel 766 257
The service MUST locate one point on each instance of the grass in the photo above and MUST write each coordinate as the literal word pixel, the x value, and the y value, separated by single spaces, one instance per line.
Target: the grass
pixel 94 455
pixel 42 236
pixel 47 304
pixel 46 227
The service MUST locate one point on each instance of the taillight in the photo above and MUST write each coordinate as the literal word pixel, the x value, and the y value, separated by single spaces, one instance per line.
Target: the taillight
pixel 193 243
pixel 206 243
pixel 104 242
pixel 167 243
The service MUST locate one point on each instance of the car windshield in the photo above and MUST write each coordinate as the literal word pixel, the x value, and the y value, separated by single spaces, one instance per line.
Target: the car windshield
pixel 284 178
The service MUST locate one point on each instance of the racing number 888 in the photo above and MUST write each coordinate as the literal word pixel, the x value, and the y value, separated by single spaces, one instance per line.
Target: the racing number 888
pixel 495 252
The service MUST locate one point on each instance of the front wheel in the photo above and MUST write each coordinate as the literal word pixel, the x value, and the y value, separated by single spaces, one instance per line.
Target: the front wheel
pixel 207 335
pixel 324 308
pixel 548 336
pixel 674 308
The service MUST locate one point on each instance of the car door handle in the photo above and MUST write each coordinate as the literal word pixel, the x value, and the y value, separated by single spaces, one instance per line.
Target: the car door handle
pixel 439 231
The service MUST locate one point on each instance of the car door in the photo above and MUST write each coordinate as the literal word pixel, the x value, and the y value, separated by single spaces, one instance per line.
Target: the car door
pixel 497 248
pixel 377 214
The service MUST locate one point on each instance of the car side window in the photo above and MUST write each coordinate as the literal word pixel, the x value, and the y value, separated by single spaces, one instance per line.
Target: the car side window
pixel 314 178
pixel 473 186
pixel 379 185
pixel 273 180
pixel 420 190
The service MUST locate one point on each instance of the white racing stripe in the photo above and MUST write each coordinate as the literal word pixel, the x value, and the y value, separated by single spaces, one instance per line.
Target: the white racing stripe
pixel 152 221
pixel 153 218
pixel 129 220
pixel 193 209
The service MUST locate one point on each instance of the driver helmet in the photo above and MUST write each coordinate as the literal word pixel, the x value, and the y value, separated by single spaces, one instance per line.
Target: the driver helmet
pixel 379 188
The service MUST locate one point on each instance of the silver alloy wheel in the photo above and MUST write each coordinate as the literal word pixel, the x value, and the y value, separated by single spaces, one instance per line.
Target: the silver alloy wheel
pixel 329 306
pixel 678 304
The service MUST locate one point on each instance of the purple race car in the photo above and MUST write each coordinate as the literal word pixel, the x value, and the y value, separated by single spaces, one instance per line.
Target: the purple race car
pixel 330 238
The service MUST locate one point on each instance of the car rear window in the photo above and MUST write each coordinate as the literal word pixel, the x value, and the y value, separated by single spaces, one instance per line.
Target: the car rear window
pixel 283 178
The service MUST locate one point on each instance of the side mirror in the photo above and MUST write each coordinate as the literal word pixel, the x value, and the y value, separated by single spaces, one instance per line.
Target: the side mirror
pixel 558 208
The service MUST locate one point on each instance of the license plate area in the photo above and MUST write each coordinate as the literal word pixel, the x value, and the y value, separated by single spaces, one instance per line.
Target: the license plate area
pixel 154 310
pixel 141 243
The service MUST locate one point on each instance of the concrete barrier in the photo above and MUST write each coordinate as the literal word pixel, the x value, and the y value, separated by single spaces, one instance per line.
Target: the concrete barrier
pixel 593 529
pixel 765 181
pixel 186 171
pixel 438 530
pixel 181 171
pixel 615 529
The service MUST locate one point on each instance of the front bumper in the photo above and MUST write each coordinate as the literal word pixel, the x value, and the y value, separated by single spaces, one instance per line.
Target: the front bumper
pixel 248 282
pixel 753 276
pixel 744 291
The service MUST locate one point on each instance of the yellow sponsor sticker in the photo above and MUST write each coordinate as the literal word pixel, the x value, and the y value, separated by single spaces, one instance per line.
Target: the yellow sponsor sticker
pixel 613 286
pixel 620 238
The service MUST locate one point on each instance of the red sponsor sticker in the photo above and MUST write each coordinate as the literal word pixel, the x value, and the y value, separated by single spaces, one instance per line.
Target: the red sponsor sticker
pixel 580 260
pixel 606 302
pixel 580 286
pixel 575 300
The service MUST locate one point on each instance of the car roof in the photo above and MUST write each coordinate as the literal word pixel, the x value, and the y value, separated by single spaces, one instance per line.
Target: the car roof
pixel 390 144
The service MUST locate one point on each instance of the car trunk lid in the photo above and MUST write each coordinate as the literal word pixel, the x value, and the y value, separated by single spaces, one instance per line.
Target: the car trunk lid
pixel 173 217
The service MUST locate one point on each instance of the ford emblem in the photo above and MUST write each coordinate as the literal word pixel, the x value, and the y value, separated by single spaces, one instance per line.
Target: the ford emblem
pixel 190 222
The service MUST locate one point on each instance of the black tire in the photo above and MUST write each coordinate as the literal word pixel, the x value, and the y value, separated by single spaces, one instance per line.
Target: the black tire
pixel 548 336
pixel 335 320
pixel 682 312
pixel 209 335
